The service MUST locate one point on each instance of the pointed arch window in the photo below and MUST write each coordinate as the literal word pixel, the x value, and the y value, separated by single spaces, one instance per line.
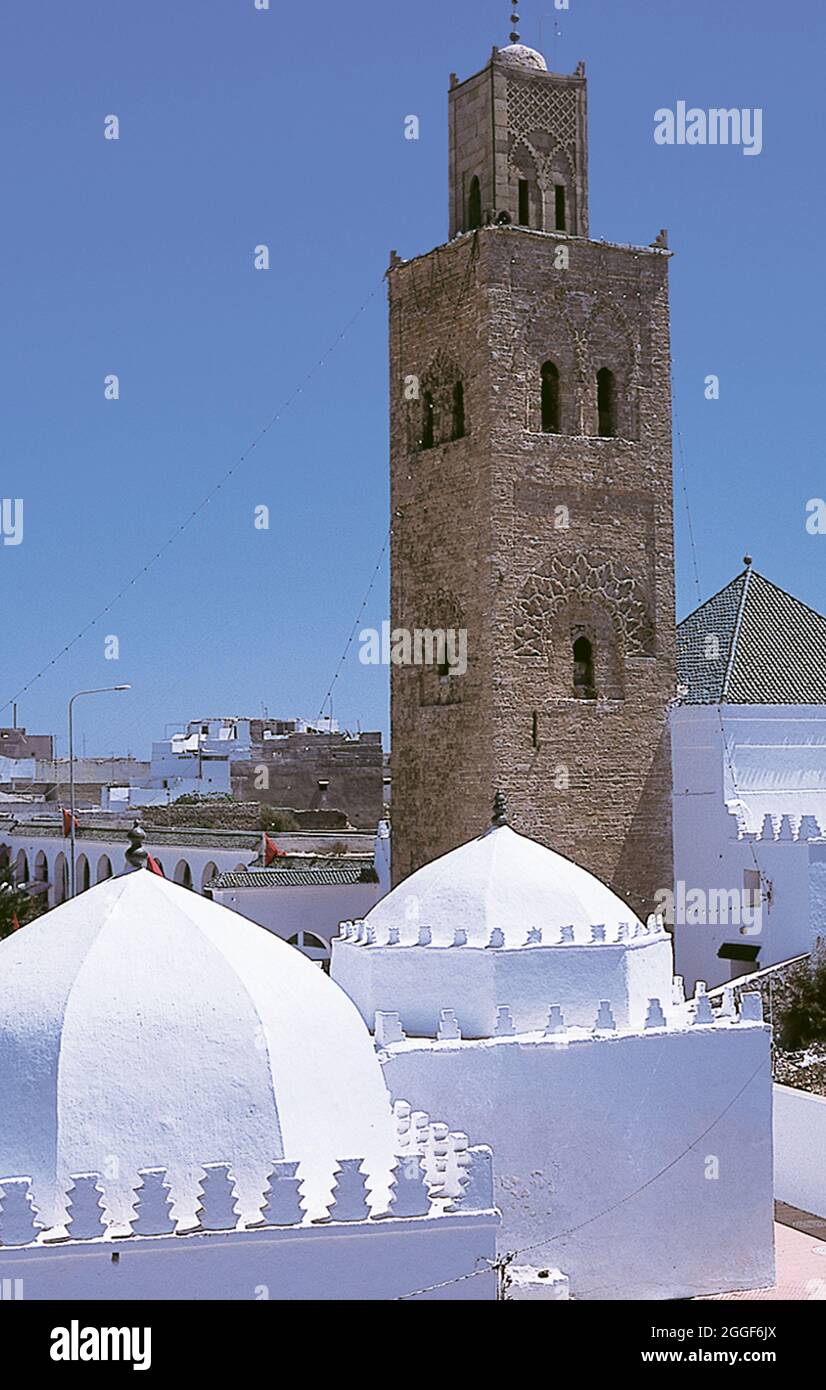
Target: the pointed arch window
pixel 550 398
pixel 583 669
pixel 606 404
pixel 458 411
pixel 559 207
pixel 524 215
pixel 474 205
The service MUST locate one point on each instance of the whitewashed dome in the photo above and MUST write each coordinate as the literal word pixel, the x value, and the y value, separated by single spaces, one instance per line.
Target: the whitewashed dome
pixel 501 882
pixel 144 1026
pixel 520 56
pixel 493 935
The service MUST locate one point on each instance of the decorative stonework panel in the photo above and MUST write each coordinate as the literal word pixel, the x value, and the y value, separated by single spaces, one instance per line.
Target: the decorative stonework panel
pixel 607 582
pixel 541 106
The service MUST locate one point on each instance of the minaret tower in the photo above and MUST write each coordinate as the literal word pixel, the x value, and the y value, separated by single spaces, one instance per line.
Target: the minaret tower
pixel 532 499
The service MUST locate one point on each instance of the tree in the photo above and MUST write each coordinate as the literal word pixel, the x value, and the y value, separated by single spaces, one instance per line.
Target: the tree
pixel 17 907
pixel 800 1013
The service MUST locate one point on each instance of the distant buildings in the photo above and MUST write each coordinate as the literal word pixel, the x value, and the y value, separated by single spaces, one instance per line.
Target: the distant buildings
pixel 287 763
pixel 292 764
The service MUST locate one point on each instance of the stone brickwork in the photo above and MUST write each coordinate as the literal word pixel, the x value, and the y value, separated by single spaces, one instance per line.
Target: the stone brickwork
pixel 507 123
pixel 316 772
pixel 533 539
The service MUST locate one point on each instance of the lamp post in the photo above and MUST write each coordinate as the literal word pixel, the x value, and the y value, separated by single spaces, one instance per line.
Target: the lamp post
pixel 102 690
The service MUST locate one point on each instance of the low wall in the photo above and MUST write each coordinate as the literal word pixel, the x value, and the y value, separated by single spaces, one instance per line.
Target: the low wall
pixel 800 1149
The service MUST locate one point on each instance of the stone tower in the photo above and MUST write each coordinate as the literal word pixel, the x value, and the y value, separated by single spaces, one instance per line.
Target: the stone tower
pixel 532 500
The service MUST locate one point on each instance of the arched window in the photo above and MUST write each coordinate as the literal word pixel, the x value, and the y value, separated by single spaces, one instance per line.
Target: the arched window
pixel 550 398
pixel 474 205
pixel 458 411
pixel 21 869
pixel 82 874
pixel 210 872
pixel 183 874
pixel 60 887
pixel 583 654
pixel 427 420
pixel 313 946
pixel 559 207
pixel 524 213
pixel 104 869
pixel 606 403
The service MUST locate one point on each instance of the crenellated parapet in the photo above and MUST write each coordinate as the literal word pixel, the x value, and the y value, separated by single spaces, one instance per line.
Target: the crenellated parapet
pixel 663 1013
pixel 436 1172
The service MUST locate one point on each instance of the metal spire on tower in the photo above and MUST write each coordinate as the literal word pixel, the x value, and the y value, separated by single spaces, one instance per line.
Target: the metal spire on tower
pixel 514 21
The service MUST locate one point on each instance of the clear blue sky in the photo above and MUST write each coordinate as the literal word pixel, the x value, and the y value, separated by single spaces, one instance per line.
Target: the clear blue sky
pixel 241 126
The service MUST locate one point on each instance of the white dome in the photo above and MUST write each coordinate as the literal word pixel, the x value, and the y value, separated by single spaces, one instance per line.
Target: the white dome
pixel 505 882
pixel 502 924
pixel 144 1026
pixel 520 56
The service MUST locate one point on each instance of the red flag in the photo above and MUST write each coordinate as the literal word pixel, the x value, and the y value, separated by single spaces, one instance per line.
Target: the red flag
pixel 15 925
pixel 67 823
pixel 153 866
pixel 271 851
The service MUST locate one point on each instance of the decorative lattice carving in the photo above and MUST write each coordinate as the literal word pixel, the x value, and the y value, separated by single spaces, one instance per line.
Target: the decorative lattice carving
pixel 606 582
pixel 541 106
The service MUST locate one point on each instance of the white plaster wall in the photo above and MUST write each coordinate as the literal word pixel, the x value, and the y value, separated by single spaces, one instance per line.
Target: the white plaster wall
pixel 707 852
pixel 286 911
pixel 580 1129
pixel 361 1261
pixel 800 1149
pixel 420 981
pixel 817 893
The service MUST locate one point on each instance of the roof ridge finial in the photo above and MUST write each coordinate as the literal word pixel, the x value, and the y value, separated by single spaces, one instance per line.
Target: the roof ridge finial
pixel 747 561
pixel 500 810
pixel 136 855
pixel 514 36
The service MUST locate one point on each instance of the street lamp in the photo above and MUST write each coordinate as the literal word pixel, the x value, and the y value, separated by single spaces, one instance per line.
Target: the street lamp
pixel 102 690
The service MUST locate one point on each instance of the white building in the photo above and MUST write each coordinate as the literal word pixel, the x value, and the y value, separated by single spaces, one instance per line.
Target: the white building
pixel 632 1130
pixel 749 770
pixel 191 1110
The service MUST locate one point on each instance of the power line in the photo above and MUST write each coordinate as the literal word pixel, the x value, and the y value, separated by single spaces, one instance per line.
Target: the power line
pixel 356 622
pixel 508 1258
pixel 170 540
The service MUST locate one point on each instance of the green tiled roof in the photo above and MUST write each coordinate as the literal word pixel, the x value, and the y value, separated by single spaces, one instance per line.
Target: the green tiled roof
pixel 752 644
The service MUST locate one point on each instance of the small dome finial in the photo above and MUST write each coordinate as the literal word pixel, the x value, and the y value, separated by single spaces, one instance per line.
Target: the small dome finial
pixel 136 855
pixel 514 36
pixel 747 561
pixel 500 810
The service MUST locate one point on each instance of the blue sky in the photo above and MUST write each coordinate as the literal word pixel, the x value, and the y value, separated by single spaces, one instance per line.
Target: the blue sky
pixel 286 127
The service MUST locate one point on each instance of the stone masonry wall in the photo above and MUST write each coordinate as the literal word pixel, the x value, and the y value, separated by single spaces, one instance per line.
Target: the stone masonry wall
pixel 530 538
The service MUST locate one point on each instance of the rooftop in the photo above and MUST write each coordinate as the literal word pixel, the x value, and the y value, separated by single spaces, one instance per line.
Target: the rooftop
pixel 752 644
